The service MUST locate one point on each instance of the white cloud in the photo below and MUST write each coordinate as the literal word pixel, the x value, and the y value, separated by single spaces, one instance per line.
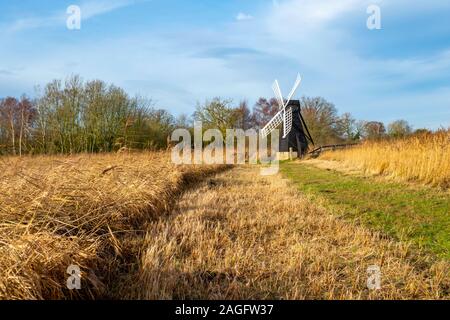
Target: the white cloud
pixel 312 13
pixel 243 16
pixel 89 9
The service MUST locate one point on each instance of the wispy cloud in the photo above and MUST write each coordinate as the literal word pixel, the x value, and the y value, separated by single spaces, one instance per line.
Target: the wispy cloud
pixel 227 52
pixel 243 16
pixel 6 72
pixel 89 9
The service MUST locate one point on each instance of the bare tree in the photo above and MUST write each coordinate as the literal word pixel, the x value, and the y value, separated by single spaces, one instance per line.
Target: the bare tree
pixel 27 113
pixel 183 121
pixel 322 119
pixel 347 127
pixel 399 128
pixel 374 130
pixel 9 115
pixel 263 111
pixel 245 119
pixel 217 114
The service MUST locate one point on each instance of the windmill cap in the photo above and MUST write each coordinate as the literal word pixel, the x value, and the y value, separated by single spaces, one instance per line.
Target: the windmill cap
pixel 294 103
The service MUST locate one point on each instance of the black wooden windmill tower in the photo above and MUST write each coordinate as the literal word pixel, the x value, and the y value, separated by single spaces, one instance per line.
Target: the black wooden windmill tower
pixel 296 136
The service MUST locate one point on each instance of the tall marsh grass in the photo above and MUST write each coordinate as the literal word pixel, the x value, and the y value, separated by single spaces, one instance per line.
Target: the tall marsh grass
pixel 420 158
pixel 85 210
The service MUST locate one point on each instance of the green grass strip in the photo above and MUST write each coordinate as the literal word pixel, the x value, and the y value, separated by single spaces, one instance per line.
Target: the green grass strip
pixel 403 211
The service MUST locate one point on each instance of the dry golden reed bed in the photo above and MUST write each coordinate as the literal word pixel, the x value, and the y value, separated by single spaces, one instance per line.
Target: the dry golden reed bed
pixel 421 158
pixel 88 210
pixel 235 235
pixel 244 236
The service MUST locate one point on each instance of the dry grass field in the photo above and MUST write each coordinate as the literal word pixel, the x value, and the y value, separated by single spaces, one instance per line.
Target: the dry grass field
pixel 422 158
pixel 142 228
pixel 88 210
pixel 243 236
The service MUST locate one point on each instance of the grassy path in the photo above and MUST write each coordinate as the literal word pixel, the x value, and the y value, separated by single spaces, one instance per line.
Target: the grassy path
pixel 415 213
pixel 239 235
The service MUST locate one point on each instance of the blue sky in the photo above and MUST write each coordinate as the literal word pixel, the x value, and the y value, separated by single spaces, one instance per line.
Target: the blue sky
pixel 179 52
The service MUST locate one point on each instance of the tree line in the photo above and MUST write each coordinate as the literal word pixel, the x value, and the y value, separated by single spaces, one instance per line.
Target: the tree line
pixel 324 123
pixel 74 116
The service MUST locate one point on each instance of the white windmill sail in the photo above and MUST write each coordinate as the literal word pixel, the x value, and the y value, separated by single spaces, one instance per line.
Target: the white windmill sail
pixel 272 124
pixel 287 122
pixel 278 95
pixel 295 87
pixel 284 115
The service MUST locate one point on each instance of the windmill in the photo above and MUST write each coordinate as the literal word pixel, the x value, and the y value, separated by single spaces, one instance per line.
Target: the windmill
pixel 296 136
